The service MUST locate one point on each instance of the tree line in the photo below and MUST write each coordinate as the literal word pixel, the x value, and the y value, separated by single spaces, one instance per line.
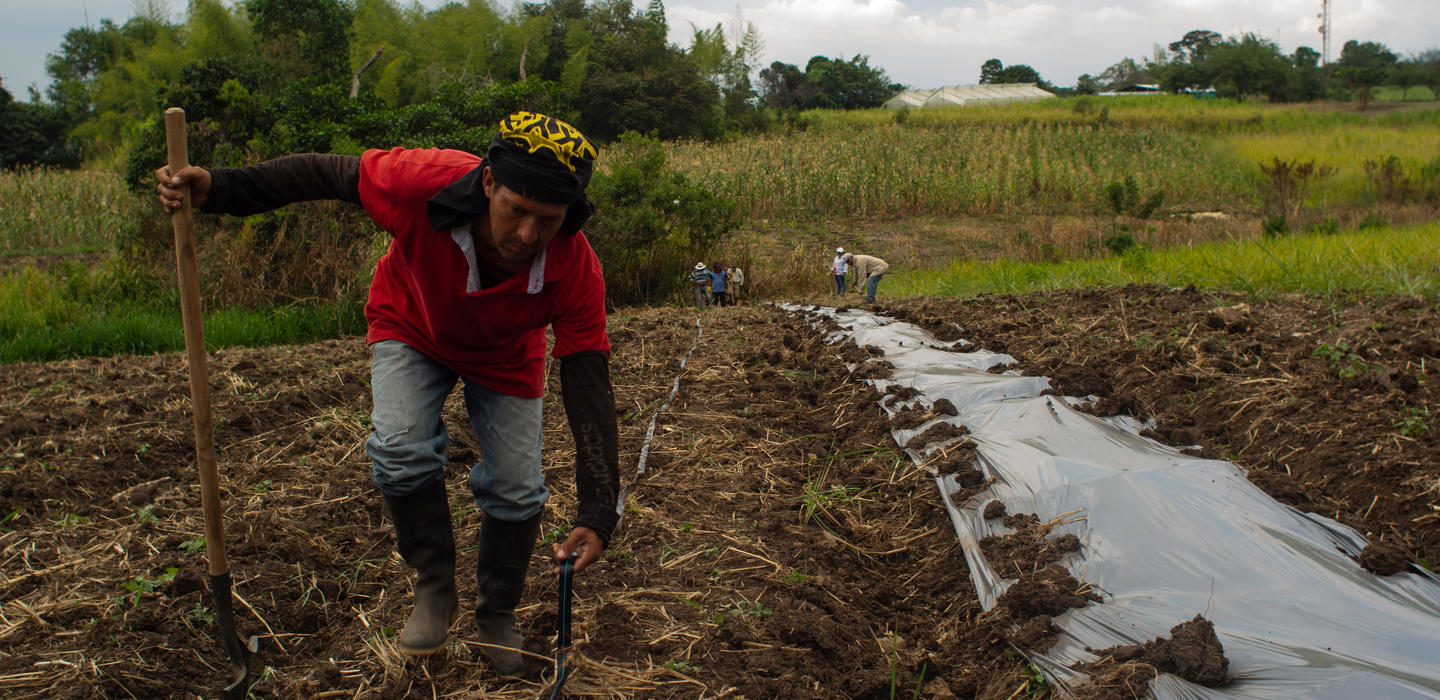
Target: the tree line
pixel 266 77
pixel 1250 66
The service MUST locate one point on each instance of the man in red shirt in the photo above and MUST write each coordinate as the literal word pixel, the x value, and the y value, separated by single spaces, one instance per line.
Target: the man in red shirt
pixel 485 255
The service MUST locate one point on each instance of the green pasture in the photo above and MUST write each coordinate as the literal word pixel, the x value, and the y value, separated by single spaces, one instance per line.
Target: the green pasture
pixel 1377 261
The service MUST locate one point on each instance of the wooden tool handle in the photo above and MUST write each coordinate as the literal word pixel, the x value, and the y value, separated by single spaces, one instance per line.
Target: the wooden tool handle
pixel 183 220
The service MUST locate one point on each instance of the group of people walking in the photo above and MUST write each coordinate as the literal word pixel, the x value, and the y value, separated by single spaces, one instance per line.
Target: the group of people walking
pixel 866 269
pixel 717 285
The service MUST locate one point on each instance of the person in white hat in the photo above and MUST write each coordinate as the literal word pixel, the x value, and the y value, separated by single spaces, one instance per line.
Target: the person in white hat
pixel 700 280
pixel 838 268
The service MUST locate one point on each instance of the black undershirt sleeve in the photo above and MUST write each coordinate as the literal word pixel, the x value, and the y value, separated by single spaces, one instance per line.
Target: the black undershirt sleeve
pixel 590 409
pixel 275 183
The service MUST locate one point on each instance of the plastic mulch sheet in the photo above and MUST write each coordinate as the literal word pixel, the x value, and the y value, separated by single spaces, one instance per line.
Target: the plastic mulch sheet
pixel 1164 537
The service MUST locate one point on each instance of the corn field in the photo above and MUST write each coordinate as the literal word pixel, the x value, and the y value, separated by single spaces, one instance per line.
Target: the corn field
pixel 50 211
pixel 894 170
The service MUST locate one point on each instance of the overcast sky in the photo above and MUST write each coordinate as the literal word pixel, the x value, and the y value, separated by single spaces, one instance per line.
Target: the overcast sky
pixel 921 43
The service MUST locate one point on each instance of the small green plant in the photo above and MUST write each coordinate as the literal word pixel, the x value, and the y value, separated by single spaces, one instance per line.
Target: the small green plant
pixel 199 613
pixel 1415 422
pixel 145 515
pixel 72 519
pixel 687 527
pixel 1124 198
pixel 1387 181
pixel 262 487
pixel 1327 226
pixel 1347 363
pixel 894 662
pixel 5 521
pixel 1373 220
pixel 192 545
pixel 817 498
pixel 745 608
pixel 553 536
pixel 680 666
pixel 143 584
pixel 1284 184
pixel 1035 684
pixel 1274 225
pixel 794 578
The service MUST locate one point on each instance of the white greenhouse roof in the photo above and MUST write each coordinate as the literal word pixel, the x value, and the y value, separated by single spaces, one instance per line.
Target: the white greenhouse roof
pixel 962 95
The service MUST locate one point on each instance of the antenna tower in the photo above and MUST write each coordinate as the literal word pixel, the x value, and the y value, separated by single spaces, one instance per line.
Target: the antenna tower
pixel 1324 32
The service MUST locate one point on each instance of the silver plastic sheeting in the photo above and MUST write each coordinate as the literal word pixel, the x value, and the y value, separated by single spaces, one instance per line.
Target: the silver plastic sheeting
pixel 1164 537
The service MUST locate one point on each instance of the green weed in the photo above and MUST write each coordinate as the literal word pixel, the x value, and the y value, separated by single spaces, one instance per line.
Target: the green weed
pixel 1416 421
pixel 142 584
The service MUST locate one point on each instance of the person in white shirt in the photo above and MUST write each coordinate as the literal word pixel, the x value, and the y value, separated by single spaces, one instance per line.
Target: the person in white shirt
pixel 838 268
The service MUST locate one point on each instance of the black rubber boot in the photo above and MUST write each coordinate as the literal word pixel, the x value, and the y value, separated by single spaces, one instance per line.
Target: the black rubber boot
pixel 500 568
pixel 425 541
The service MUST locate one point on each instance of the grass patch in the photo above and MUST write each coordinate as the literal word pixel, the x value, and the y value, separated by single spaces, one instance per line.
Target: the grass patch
pixel 1370 262
pixel 70 311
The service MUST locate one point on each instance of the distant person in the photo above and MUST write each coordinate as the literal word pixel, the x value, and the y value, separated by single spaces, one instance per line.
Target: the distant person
pixel 700 280
pixel 717 286
pixel 838 267
pixel 868 271
pixel 734 281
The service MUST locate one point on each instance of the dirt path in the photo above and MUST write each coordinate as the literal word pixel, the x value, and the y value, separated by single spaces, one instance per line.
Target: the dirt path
pixel 777 545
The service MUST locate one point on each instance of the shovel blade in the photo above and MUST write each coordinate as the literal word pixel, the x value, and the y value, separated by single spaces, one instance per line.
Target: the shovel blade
pixel 239 648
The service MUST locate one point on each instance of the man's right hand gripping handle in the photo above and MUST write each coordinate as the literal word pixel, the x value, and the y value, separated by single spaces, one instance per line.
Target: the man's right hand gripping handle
pixel 170 186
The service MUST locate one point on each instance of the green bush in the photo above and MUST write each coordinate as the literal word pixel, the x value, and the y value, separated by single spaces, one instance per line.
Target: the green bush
pixel 652 223
pixel 1373 220
pixel 1119 242
pixel 1275 225
pixel 1327 226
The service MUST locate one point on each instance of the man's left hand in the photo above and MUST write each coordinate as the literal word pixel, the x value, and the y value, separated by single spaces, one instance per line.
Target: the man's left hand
pixel 585 542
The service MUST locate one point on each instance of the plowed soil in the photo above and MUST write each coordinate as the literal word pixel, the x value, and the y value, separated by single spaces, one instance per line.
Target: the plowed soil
pixel 777 544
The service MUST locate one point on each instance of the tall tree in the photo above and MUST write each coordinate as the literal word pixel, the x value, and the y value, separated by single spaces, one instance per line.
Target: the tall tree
pixel 851 84
pixel 637 81
pixel 1307 79
pixel 1248 66
pixel 784 85
pixel 84 54
pixel 1125 73
pixel 990 71
pixel 303 39
pixel 1363 66
pixel 1195 46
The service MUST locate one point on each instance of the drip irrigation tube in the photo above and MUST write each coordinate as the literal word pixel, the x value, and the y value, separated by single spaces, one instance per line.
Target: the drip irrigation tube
pixel 650 430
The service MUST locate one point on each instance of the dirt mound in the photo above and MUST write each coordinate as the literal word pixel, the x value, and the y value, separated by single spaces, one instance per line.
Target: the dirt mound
pixel 1192 651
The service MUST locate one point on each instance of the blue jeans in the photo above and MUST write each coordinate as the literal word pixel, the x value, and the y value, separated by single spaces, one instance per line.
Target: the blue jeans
pixel 702 297
pixel 407 447
pixel 872 284
pixel 839 283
